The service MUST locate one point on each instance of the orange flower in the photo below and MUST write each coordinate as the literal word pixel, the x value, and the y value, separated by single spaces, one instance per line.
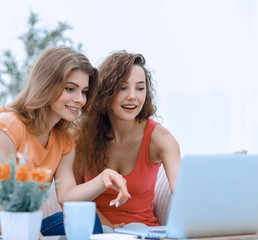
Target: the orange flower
pixel 40 175
pixel 5 171
pixel 23 173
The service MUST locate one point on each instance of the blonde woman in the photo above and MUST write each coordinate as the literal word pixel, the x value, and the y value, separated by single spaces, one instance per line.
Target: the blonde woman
pixel 61 86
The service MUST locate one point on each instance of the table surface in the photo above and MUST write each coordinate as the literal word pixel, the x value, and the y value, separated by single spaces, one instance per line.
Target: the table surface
pixel 106 236
pixel 117 236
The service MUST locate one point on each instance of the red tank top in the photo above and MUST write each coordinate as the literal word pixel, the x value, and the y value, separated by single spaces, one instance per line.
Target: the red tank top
pixel 140 183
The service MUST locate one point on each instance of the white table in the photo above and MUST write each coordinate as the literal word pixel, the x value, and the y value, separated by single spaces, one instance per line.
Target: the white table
pixel 117 236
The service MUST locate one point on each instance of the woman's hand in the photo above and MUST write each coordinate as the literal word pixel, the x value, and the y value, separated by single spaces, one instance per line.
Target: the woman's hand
pixel 119 225
pixel 116 181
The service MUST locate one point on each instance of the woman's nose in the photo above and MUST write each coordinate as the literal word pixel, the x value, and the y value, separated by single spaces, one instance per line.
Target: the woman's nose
pixel 80 98
pixel 131 94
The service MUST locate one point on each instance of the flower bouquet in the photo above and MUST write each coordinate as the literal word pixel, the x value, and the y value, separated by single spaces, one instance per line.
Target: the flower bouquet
pixel 22 192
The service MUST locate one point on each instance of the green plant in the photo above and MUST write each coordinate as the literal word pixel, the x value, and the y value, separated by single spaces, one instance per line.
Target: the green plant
pixel 13 72
pixel 22 189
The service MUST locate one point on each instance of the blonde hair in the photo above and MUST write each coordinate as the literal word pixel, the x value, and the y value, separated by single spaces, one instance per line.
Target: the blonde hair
pixel 45 85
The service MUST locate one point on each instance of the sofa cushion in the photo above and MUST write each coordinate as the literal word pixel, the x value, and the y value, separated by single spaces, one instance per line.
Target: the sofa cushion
pixel 162 198
pixel 51 206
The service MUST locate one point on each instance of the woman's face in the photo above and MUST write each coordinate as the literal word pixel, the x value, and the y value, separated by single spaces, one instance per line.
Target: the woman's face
pixel 129 100
pixel 73 97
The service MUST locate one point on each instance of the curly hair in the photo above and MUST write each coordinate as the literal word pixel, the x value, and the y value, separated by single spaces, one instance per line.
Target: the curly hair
pixel 93 128
pixel 46 84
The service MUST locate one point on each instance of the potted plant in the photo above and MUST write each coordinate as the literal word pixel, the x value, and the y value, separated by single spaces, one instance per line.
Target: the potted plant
pixel 22 192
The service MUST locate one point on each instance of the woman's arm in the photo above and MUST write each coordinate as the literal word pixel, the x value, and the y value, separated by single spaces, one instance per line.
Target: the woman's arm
pixel 164 148
pixel 67 190
pixel 7 147
pixel 103 219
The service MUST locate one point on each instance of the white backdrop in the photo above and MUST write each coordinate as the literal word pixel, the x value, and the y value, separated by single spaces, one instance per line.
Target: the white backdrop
pixel 203 55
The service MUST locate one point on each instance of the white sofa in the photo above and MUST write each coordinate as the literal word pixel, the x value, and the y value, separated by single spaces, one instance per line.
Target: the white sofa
pixel 161 200
pixel 51 206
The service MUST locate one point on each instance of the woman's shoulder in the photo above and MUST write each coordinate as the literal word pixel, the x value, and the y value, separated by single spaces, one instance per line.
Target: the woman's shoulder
pixel 162 145
pixel 162 138
pixel 11 119
pixel 12 125
pixel 151 122
pixel 148 126
pixel 7 115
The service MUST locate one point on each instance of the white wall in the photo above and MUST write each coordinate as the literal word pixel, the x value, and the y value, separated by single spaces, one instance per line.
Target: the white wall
pixel 203 54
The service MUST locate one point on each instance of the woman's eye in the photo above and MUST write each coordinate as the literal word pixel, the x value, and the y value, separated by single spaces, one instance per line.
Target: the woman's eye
pixel 69 89
pixel 140 88
pixel 84 92
pixel 123 87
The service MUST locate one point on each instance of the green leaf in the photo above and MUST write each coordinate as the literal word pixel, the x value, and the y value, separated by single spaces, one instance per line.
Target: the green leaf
pixel 34 41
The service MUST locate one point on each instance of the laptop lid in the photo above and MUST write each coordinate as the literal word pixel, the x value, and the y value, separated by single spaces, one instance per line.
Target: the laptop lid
pixel 215 195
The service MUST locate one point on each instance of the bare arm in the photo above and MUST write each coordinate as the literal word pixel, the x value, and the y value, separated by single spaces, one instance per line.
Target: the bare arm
pixel 67 190
pixel 165 149
pixel 7 147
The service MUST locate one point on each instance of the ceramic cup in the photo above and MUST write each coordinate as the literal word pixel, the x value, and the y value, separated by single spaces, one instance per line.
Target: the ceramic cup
pixel 79 219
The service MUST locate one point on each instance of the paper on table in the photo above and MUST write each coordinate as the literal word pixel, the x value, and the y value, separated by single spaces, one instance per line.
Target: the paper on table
pixel 112 236
pixel 105 236
pixel 53 238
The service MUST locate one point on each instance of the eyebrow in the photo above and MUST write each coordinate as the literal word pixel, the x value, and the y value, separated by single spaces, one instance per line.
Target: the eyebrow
pixel 76 85
pixel 139 82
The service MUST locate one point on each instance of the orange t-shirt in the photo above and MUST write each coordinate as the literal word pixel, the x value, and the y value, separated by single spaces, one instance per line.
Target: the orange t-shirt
pixel 37 156
pixel 141 185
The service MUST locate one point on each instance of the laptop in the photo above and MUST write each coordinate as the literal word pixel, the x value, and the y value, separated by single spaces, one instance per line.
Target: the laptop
pixel 215 195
